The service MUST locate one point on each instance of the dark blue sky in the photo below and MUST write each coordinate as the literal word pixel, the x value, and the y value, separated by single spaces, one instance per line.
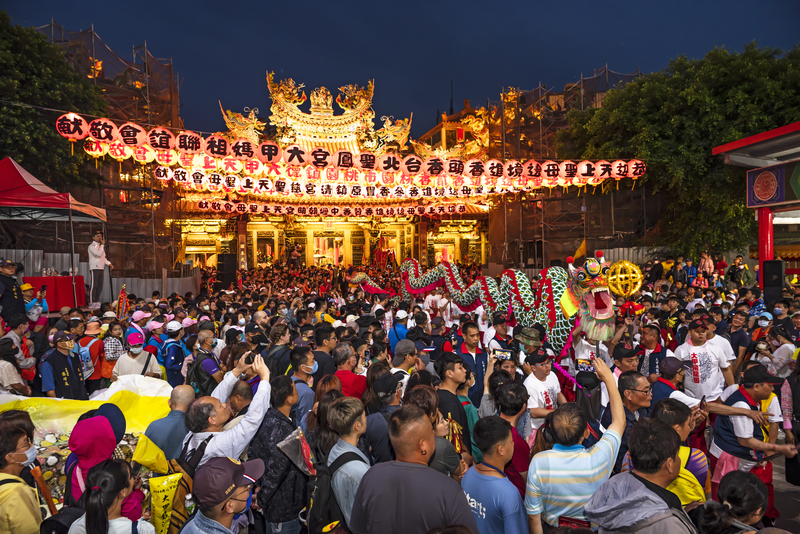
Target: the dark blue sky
pixel 412 49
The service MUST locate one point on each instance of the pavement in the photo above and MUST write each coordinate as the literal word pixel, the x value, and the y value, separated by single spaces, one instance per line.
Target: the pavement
pixel 787 499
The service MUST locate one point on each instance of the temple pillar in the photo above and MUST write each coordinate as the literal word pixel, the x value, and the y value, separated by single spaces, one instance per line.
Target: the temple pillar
pixel 309 247
pixel 483 248
pixel 348 249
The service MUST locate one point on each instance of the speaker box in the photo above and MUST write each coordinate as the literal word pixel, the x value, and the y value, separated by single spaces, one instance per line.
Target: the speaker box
pixel 773 277
pixel 226 267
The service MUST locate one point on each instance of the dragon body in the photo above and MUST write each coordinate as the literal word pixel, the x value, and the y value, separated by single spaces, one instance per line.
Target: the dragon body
pixel 554 301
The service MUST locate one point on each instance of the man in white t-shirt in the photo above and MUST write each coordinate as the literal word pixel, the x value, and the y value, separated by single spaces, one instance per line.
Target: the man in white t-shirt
pixel 709 364
pixel 484 321
pixel 431 303
pixel 737 436
pixel 445 310
pixel 543 387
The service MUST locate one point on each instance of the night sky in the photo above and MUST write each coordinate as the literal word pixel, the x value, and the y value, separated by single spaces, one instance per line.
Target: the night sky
pixel 411 49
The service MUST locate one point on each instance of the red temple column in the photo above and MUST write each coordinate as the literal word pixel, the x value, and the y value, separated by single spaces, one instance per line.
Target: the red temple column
pixel 765 240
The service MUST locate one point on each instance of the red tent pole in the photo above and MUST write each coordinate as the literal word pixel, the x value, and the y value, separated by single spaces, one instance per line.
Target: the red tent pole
pixel 72 256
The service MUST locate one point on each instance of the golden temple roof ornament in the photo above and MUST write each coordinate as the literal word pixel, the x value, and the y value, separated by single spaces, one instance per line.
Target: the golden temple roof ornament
pixel 241 127
pixel 353 130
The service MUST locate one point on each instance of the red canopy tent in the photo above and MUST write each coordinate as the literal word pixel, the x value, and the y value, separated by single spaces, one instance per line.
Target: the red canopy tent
pixel 23 196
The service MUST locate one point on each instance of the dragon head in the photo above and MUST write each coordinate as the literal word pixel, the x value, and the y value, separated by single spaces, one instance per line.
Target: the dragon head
pixel 589 287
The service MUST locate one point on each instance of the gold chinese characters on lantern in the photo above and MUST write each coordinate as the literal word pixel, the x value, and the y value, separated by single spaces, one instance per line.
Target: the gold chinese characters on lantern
pixel 624 278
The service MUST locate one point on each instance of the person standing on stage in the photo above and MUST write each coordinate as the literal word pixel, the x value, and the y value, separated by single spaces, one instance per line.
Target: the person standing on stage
pixel 97 264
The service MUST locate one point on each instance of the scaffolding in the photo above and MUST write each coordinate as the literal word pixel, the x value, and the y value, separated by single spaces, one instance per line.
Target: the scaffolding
pixel 141 88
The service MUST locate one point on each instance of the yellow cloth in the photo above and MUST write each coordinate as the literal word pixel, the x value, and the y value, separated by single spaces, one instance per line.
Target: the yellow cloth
pixel 581 250
pixel 19 507
pixel 686 486
pixel 150 455
pixel 765 408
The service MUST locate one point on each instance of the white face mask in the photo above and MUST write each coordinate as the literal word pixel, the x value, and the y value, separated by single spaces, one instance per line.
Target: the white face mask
pixel 242 321
pixel 206 307
pixel 30 456
pixel 136 350
pixel 763 324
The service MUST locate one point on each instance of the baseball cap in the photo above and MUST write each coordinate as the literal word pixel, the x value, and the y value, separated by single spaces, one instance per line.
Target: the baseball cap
pixel 386 385
pixel 400 315
pixel 796 314
pixel 403 348
pixel 498 318
pixel 7 263
pixel 173 326
pixel 337 323
pixel 25 287
pixel 697 323
pixel 109 315
pixel 437 323
pixel 251 328
pixel 152 325
pixel 529 336
pixel 766 315
pixel 65 310
pixel 139 315
pixel 301 341
pixel 671 365
pixel 537 356
pixel 217 479
pixel 350 318
pixel 186 323
pixel 758 374
pixel 622 352
pixel 60 336
pixel 135 338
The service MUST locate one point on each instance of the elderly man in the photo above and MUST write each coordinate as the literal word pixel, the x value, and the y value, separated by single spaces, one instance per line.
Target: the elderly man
pixel 206 417
pixel 168 432
pixel 97 264
pixel 206 371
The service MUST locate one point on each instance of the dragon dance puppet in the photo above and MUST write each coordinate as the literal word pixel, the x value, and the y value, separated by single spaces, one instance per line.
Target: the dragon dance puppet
pixel 555 300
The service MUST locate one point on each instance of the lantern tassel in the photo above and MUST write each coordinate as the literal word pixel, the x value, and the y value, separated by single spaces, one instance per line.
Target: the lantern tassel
pixel 617 185
pixel 95 163
pixel 72 148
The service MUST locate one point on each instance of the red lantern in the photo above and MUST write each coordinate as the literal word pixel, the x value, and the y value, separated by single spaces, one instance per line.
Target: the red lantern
pixel 295 156
pixel 389 162
pixel 269 152
pixel 494 169
pixel 160 139
pixel 163 173
pixel 455 167
pixel 320 157
pixel 411 165
pixel 72 126
pixel 636 169
pixel 230 183
pixel 366 161
pixel 253 167
pixel 216 146
pixel 619 169
pixel 513 169
pixel 189 142
pixel 203 161
pixel 586 170
pixel 131 134
pixel 567 171
pixel 343 159
pixel 230 165
pixel 103 130
pixel 474 168
pixel 243 149
pixel 550 170
pixel 434 166
pixel 602 171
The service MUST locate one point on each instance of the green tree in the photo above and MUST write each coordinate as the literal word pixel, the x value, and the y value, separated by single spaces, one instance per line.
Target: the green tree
pixel 35 72
pixel 672 119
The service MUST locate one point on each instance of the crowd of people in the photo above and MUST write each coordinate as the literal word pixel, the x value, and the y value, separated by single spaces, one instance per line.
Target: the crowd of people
pixel 419 416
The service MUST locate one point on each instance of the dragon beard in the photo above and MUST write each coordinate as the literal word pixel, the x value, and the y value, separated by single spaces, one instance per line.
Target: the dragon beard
pixel 596 329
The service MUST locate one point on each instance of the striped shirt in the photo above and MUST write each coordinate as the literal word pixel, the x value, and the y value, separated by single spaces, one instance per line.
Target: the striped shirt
pixel 562 480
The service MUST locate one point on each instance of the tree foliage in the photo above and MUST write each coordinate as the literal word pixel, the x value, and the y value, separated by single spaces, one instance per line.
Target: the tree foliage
pixel 35 72
pixel 672 120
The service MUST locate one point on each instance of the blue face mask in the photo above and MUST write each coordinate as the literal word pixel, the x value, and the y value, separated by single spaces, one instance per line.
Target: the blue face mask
pixel 314 368
pixel 249 502
pixel 214 344
pixel 242 321
pixel 777 311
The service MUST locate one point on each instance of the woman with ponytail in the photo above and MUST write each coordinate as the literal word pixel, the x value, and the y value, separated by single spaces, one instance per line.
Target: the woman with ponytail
pixel 742 502
pixel 108 484
pixel 277 353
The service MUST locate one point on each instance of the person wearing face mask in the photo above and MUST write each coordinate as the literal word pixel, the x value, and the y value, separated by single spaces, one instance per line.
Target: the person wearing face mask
pixel 62 372
pixel 136 361
pixel 223 491
pixel 764 324
pixel 19 506
pixel 303 366
pixel 108 485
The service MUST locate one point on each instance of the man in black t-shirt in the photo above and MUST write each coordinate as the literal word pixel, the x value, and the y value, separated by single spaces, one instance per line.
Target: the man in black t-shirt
pixel 450 368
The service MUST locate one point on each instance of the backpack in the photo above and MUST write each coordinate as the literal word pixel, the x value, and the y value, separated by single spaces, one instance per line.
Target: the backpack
pixel 324 514
pixel 68 514
pixel 186 466
pixel 86 358
pixel 273 359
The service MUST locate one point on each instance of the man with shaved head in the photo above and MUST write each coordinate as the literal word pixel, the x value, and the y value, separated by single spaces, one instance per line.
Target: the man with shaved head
pixel 206 416
pixel 168 432
pixel 261 319
pixel 436 500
